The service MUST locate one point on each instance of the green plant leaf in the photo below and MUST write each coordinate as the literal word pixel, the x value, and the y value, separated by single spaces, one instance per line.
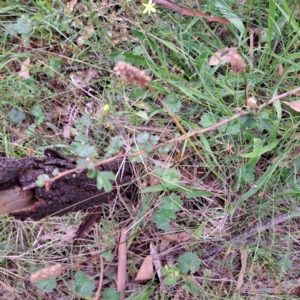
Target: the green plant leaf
pixel 154 139
pixel 162 218
pixel 143 115
pixel 84 286
pixel 192 286
pixel 199 230
pixel 24 25
pixel 38 114
pixel 82 123
pixel 11 30
pixel 208 119
pixel 147 146
pixel 195 194
pixel 48 284
pixel 55 172
pixel 230 128
pixel 173 103
pixel 30 130
pixel 172 203
pixel 246 174
pixel 189 262
pixel 170 178
pixel 107 255
pixel 142 294
pixel 86 151
pixel 17 115
pixel 224 8
pixel 165 149
pixel 82 138
pixel 111 294
pixel 103 180
pixel 92 174
pixel 261 181
pixel 138 50
pixel 138 158
pixel 143 138
pixel 261 150
pixel 284 264
pixel 154 188
pixel 172 274
pixel 40 180
pixel 114 146
pixel 83 163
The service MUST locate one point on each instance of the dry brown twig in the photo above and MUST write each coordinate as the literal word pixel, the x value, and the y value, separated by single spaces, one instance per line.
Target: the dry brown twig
pixel 252 232
pixel 189 12
pixel 135 76
pixel 97 295
pixel 122 263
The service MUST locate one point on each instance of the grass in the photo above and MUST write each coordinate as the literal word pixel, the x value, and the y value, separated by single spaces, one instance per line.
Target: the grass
pixel 54 105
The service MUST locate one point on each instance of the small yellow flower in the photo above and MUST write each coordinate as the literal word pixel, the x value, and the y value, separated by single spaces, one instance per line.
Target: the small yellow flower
pixel 149 7
pixel 106 107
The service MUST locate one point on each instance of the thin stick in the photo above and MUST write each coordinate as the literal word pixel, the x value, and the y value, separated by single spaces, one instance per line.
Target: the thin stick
pixel 183 131
pixel 122 263
pixel 97 295
pixel 254 231
pixel 48 182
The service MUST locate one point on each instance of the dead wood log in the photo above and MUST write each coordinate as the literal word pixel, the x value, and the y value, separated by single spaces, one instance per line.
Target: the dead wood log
pixel 22 199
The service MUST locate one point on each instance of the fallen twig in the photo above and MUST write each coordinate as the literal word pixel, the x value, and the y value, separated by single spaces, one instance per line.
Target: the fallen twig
pixel 48 182
pixel 122 263
pixel 189 12
pixel 97 295
pixel 252 232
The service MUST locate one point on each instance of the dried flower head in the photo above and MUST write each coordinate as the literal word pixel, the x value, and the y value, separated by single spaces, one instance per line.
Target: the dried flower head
pixel 45 273
pixel 132 74
pixel 251 102
pixel 237 64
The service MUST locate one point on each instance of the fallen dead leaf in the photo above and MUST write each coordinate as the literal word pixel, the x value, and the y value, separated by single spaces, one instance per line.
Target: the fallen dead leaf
pixel 66 131
pixel 45 273
pixel 280 69
pixel 82 78
pixel 24 73
pixel 219 56
pixel 146 269
pixel 178 237
pixel 219 223
pixel 88 32
pixel 156 262
pixel 231 55
pixel 60 234
pixel 295 105
pixel 70 6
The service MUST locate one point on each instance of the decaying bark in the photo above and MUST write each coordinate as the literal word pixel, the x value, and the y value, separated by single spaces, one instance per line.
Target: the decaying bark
pixel 71 193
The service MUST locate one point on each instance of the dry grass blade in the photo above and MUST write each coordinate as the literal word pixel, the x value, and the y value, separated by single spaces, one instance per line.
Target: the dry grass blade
pixel 244 258
pixel 157 262
pixel 122 263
